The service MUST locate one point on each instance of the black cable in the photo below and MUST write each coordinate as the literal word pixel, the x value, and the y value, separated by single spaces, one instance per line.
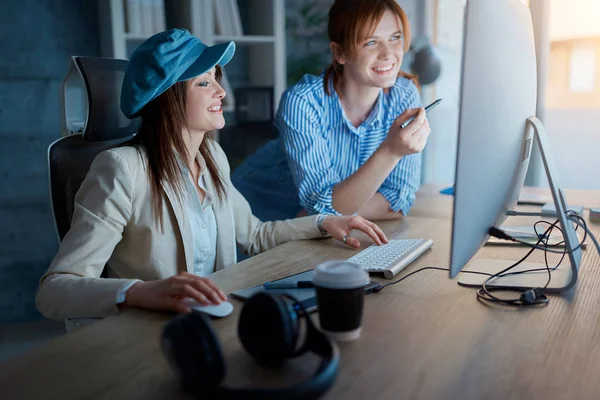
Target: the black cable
pixel 498 233
pixel 485 293
pixel 533 296
pixel 528 297
pixel 380 288
pixel 546 235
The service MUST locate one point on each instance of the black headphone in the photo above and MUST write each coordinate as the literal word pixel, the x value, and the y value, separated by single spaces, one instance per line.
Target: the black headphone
pixel 269 329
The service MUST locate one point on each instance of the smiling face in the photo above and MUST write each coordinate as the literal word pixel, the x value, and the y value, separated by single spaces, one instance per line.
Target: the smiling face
pixel 204 100
pixel 377 60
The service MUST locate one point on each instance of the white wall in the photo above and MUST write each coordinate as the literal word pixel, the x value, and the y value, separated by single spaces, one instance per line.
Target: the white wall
pixel 572 120
pixel 440 153
pixel 571 19
pixel 411 8
pixel 574 137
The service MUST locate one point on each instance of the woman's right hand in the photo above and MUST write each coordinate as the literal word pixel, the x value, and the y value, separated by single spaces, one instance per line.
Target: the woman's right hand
pixel 170 294
pixel 412 139
pixel 340 227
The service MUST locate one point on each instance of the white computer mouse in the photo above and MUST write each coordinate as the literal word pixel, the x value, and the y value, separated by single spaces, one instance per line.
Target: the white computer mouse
pixel 221 310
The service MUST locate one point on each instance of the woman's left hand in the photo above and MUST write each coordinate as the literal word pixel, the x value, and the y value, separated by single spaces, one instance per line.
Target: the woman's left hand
pixel 339 227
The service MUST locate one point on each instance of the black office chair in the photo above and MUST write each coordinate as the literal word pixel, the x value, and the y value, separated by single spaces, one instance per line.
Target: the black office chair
pixel 70 157
pixel 102 126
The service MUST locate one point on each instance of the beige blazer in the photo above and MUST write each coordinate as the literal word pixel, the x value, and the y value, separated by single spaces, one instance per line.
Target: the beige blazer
pixel 113 223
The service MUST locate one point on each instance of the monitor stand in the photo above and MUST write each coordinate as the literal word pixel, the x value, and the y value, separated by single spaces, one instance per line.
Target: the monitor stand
pixel 565 276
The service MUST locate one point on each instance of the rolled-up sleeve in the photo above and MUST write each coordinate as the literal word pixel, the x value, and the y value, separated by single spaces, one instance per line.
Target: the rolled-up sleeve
pixel 301 129
pixel 401 185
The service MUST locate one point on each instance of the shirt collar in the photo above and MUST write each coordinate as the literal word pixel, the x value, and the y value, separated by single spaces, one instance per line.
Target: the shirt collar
pixel 373 120
pixel 201 163
pixel 208 199
pixel 375 117
pixel 202 178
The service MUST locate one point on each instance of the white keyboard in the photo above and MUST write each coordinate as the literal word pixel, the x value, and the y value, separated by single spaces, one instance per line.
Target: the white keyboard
pixel 391 258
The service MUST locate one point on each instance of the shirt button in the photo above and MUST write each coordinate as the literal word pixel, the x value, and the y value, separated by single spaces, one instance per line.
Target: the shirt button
pixel 203 226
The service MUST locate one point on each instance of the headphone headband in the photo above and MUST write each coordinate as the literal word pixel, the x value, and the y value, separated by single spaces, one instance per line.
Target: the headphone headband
pixel 180 345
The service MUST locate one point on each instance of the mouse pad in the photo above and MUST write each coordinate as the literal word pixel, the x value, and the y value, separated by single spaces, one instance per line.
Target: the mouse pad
pixel 307 296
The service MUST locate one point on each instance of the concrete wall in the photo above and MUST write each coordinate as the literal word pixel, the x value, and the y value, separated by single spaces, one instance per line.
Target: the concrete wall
pixel 36 39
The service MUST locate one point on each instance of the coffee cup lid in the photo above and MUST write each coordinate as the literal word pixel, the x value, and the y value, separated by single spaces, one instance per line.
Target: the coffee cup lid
pixel 338 274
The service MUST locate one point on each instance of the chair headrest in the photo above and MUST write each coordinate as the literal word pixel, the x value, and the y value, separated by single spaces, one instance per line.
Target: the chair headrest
pixel 91 98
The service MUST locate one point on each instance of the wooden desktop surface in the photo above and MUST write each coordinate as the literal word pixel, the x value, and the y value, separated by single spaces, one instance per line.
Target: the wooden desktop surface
pixel 431 204
pixel 424 338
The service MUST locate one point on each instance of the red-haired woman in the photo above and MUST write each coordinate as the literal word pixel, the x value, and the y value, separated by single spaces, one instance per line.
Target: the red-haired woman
pixel 340 149
pixel 161 212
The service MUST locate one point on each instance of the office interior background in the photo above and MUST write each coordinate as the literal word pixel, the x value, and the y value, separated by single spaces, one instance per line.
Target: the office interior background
pixel 37 38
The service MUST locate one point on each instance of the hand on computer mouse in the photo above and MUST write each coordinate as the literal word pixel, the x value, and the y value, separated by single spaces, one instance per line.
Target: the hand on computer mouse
pixel 339 227
pixel 170 293
pixel 222 310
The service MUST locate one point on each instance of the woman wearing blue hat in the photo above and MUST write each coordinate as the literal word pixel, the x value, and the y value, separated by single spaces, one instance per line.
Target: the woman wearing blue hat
pixel 161 210
pixel 341 149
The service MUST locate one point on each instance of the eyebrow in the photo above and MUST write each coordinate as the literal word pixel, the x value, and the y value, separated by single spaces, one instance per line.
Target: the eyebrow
pixel 393 34
pixel 209 73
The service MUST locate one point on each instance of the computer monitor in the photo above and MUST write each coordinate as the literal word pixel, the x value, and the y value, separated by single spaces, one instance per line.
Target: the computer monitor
pixel 495 137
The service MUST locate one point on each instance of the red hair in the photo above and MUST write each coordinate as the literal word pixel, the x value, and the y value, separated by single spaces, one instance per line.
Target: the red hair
pixel 350 22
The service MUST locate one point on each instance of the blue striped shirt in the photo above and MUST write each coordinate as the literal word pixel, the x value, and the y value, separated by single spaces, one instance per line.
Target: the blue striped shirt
pixel 318 147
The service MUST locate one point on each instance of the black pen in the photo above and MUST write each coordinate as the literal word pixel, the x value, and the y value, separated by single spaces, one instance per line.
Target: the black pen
pixel 289 285
pixel 429 107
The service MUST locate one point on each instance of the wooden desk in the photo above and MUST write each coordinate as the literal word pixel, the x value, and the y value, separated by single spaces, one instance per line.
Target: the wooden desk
pixel 424 338
pixel 431 204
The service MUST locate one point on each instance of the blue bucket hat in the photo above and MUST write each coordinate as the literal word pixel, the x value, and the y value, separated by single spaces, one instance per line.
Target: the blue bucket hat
pixel 164 59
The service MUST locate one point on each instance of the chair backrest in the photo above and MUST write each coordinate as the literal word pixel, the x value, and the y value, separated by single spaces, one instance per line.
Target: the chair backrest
pixel 70 157
pixel 69 160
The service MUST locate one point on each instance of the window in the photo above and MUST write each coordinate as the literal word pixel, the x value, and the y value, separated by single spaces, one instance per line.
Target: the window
pixel 581 69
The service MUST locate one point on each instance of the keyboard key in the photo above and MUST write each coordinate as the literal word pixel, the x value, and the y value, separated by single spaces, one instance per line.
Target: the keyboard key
pixel 393 257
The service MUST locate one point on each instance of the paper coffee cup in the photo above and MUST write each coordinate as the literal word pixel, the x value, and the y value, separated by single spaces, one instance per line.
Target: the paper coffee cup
pixel 340 298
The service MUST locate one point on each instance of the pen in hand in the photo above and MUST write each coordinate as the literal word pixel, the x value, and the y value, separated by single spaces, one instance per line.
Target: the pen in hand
pixel 429 107
pixel 289 285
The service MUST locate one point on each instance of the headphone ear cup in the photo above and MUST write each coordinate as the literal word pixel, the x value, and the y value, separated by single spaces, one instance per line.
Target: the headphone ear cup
pixel 193 350
pixel 268 328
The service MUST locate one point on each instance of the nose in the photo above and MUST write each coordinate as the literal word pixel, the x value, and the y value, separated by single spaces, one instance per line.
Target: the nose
pixel 220 92
pixel 386 51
